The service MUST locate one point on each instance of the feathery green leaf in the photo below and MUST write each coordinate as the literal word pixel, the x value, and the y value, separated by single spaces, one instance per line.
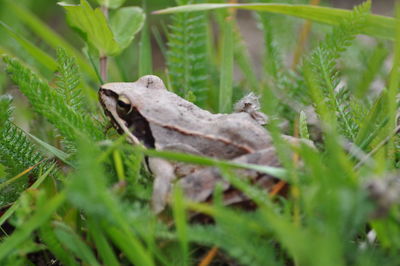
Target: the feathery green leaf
pixel 51 105
pixel 68 79
pixel 17 154
pixel 187 55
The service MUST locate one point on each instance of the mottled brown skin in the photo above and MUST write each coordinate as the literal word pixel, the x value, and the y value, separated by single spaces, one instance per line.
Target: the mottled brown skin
pixel 162 120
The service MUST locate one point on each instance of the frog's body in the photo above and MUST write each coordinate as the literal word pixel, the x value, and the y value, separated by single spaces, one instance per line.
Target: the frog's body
pixel 160 119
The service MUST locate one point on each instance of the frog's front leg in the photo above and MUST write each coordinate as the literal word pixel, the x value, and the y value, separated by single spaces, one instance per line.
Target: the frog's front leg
pixel 164 174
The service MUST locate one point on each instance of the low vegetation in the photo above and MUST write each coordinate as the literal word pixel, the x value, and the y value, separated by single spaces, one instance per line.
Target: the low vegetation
pixel 74 192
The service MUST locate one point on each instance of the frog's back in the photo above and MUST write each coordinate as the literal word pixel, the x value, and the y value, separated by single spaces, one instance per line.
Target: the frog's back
pixel 175 120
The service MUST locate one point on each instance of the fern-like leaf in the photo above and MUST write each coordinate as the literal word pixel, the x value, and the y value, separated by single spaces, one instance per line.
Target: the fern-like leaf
pixel 17 153
pixel 187 55
pixel 323 61
pixel 51 105
pixel 68 79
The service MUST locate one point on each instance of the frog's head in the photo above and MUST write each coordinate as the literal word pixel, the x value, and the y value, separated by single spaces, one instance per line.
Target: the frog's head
pixel 120 103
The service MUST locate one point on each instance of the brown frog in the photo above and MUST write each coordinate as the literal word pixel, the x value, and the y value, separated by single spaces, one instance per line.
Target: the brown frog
pixel 152 116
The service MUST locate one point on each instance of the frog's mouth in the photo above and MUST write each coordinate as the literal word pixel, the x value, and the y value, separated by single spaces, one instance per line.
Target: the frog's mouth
pixel 132 123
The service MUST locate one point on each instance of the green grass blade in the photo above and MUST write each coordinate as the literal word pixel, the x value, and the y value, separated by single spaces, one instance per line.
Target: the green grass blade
pixel 73 242
pixel 15 206
pixel 180 223
pixel 49 238
pixel 394 74
pixel 378 26
pixel 226 77
pixel 200 160
pixel 373 67
pixel 145 57
pixel 119 166
pixel 48 35
pixel 41 215
pixel 303 129
pixel 37 53
pixel 105 250
pixel 393 87
pixel 53 150
pixel 130 245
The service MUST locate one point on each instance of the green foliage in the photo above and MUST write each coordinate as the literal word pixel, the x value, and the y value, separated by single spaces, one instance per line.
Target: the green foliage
pixel 68 79
pixel 48 236
pixel 125 23
pixel 187 54
pixel 35 51
pixel 226 76
pixel 92 25
pixel 111 3
pixel 97 211
pixel 50 104
pixel 303 126
pixel 17 154
pixel 378 26
pixel 47 34
pixel 323 60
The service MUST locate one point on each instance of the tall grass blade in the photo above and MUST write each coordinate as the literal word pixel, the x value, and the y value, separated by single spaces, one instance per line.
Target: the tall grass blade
pixel 37 53
pixel 41 216
pixel 378 26
pixel 74 243
pixel 180 223
pixel 145 52
pixel 48 35
pixel 226 68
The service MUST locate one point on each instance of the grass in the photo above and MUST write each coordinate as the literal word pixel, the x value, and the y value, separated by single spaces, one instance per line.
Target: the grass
pixel 73 190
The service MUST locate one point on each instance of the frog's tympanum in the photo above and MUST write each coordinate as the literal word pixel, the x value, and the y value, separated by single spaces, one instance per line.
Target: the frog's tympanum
pixel 152 116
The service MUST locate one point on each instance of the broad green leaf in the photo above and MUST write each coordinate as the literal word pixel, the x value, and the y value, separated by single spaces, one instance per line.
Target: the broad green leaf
pixel 92 25
pixel 378 26
pixel 37 53
pixel 125 23
pixel 111 3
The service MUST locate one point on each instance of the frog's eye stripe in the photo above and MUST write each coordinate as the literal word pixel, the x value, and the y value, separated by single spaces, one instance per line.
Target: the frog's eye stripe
pixel 124 104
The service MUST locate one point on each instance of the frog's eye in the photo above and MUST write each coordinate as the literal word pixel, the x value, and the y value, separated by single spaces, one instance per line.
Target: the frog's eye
pixel 124 104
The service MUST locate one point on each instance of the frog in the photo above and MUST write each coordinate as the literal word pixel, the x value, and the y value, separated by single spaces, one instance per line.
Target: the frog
pixel 156 118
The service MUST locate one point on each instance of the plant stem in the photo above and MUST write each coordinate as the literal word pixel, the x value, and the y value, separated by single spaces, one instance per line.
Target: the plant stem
pixel 103 67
